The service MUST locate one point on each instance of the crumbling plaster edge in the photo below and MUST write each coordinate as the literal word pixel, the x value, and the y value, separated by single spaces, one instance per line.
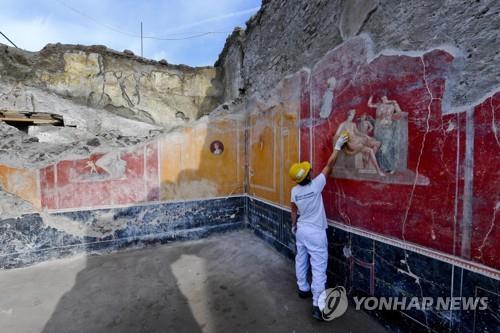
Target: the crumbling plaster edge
pixel 141 204
pixel 458 63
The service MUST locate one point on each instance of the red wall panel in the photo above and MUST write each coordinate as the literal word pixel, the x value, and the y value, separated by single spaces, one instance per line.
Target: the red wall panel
pixel 114 178
pixel 486 187
pixel 428 211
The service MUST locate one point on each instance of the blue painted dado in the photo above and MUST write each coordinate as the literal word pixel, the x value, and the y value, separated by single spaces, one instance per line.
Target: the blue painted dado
pixel 271 224
pixel 367 267
pixel 34 238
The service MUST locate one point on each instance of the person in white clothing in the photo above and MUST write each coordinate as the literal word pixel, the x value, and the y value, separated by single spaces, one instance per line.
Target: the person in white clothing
pixel 309 225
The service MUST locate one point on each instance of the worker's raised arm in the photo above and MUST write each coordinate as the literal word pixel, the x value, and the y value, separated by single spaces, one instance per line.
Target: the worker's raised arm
pixel 327 170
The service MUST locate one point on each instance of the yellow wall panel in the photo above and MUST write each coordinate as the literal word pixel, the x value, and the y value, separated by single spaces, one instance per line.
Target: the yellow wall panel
pixel 273 147
pixel 263 164
pixel 290 144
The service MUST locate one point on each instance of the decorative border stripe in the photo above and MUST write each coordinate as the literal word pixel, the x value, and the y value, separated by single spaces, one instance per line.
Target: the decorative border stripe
pixel 441 256
pixel 149 203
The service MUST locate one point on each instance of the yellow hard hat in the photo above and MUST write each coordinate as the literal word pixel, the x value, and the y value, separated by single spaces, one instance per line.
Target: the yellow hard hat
pixel 298 171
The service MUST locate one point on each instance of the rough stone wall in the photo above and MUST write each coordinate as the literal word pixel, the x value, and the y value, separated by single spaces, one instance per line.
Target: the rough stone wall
pixel 281 38
pixel 97 77
pixel 286 35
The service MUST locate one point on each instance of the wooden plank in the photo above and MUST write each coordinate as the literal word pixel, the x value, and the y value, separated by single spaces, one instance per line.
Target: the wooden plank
pixel 30 117
pixel 29 120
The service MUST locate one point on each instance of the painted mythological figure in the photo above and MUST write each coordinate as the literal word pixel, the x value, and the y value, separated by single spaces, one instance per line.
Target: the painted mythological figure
pixel 112 164
pixel 365 124
pixel 327 101
pixel 388 114
pixel 387 110
pixel 358 141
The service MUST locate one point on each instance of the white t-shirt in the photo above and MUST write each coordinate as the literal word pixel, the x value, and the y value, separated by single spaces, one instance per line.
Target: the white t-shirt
pixel 309 202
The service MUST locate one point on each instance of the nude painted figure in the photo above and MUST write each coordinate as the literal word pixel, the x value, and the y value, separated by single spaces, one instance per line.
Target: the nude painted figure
pixel 389 114
pixel 387 110
pixel 359 142
pixel 365 124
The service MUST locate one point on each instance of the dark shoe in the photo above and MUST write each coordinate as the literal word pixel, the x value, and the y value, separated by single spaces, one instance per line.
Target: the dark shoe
pixel 304 294
pixel 317 314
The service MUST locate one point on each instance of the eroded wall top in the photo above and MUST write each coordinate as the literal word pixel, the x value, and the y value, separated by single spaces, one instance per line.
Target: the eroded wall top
pixel 286 35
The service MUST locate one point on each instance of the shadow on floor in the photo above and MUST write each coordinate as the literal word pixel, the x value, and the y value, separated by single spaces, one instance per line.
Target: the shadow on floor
pixel 226 283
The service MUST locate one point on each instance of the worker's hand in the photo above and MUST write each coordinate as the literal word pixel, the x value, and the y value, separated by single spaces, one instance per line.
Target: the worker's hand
pixel 341 141
pixel 294 229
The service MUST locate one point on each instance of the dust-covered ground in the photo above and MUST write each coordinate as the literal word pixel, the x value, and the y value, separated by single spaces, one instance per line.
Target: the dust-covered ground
pixel 227 283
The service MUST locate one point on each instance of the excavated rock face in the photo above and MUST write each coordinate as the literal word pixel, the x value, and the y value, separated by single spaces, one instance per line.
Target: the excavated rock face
pixel 286 35
pixel 107 99
pixel 123 84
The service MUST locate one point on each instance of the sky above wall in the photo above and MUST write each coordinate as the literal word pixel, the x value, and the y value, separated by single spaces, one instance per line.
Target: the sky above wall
pixel 200 27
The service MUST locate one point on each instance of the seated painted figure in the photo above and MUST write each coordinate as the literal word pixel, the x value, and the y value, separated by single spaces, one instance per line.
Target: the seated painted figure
pixel 358 141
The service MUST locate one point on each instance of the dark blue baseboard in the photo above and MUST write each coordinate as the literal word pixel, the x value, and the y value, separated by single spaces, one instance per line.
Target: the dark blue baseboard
pixel 367 267
pixel 29 239
pixel 271 224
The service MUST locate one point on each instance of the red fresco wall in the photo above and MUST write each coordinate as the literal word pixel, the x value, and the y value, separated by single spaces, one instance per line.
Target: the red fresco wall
pixel 486 187
pixel 124 178
pixel 427 212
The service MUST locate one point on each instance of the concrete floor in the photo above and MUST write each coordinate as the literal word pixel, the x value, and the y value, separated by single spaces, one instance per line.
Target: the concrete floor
pixel 227 283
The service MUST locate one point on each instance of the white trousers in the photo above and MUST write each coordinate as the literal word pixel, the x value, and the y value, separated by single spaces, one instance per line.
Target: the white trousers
pixel 311 244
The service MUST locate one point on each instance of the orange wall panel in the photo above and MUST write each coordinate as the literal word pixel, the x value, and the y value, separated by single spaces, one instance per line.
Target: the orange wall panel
pixel 191 166
pixel 21 182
